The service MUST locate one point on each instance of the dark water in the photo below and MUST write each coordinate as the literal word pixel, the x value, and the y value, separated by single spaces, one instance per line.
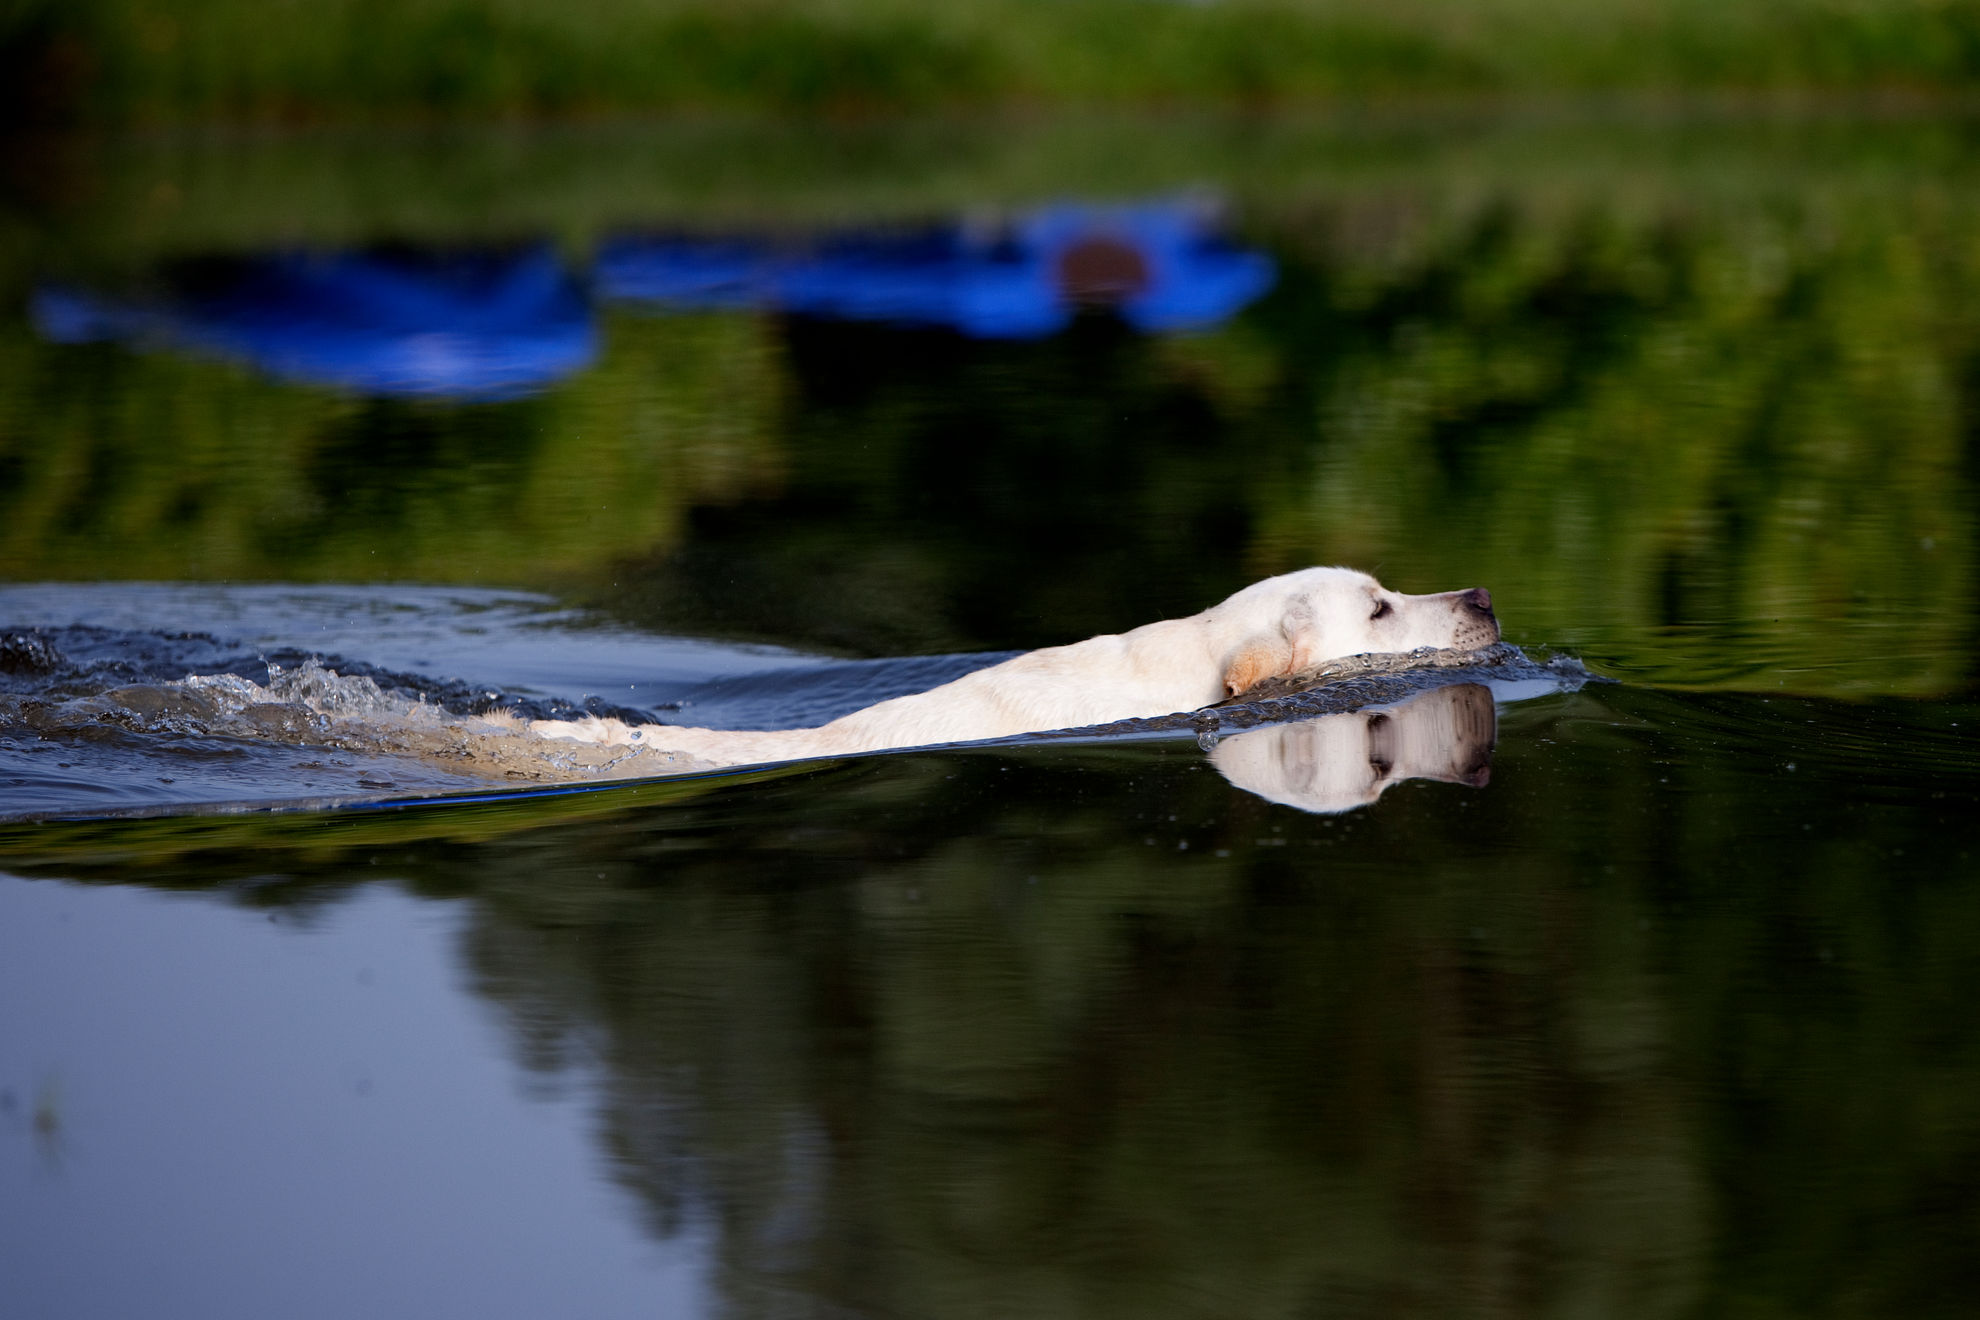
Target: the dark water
pixel 1502 994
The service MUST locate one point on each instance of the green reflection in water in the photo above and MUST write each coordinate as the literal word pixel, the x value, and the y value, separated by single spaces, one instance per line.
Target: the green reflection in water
pixel 1693 400
pixel 122 465
pixel 1652 1025
pixel 1729 448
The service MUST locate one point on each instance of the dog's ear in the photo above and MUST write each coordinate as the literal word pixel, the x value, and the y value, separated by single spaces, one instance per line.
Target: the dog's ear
pixel 1254 662
pixel 1302 630
pixel 1293 647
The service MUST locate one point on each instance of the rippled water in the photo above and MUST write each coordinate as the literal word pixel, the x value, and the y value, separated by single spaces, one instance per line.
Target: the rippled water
pixel 1498 990
pixel 97 719
pixel 339 694
pixel 1667 1002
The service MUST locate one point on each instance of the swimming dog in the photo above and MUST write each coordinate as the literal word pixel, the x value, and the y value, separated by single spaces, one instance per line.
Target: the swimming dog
pixel 1270 629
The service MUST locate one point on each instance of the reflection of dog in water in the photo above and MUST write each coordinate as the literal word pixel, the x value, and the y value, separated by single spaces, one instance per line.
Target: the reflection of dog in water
pixel 1338 762
pixel 1271 629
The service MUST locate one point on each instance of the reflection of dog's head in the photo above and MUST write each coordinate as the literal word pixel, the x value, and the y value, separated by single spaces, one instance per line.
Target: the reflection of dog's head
pixel 1297 620
pixel 1338 762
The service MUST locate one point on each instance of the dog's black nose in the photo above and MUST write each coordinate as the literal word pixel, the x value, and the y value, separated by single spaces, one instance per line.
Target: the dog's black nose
pixel 1479 599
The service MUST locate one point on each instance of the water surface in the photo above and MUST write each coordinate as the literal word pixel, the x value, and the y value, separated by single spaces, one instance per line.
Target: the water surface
pixel 1665 1008
pixel 1474 997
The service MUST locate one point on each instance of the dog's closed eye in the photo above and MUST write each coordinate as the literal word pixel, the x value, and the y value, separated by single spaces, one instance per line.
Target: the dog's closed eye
pixel 1382 610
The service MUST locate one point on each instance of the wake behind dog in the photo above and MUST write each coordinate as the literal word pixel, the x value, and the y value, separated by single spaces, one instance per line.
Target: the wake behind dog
pixel 1317 689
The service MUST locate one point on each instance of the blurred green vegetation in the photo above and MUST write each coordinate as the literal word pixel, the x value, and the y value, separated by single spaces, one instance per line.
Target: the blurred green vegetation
pixel 1757 425
pixel 1701 449
pixel 1693 398
pixel 276 482
pixel 123 61
pixel 1077 1031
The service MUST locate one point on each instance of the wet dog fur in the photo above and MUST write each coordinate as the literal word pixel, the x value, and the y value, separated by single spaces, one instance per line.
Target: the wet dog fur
pixel 1270 629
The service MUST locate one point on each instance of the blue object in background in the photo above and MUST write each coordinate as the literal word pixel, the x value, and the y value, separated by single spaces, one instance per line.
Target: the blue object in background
pixel 1161 266
pixel 485 326
pixel 463 326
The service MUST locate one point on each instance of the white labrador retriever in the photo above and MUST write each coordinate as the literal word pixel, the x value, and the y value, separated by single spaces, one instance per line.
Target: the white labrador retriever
pixel 1272 628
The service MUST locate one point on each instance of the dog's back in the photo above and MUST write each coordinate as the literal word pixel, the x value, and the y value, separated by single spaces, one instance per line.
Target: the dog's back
pixel 1268 629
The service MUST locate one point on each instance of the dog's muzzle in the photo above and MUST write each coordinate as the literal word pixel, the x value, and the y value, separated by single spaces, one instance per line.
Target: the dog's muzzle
pixel 1477 625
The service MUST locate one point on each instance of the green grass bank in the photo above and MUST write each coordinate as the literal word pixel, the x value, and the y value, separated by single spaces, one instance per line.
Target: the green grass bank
pixel 108 62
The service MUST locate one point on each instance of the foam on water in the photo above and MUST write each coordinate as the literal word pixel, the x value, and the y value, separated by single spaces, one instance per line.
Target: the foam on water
pixel 118 697
pixel 140 696
pixel 207 729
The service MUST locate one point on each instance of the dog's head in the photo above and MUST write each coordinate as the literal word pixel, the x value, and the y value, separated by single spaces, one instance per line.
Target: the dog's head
pixel 1298 620
pixel 1338 762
